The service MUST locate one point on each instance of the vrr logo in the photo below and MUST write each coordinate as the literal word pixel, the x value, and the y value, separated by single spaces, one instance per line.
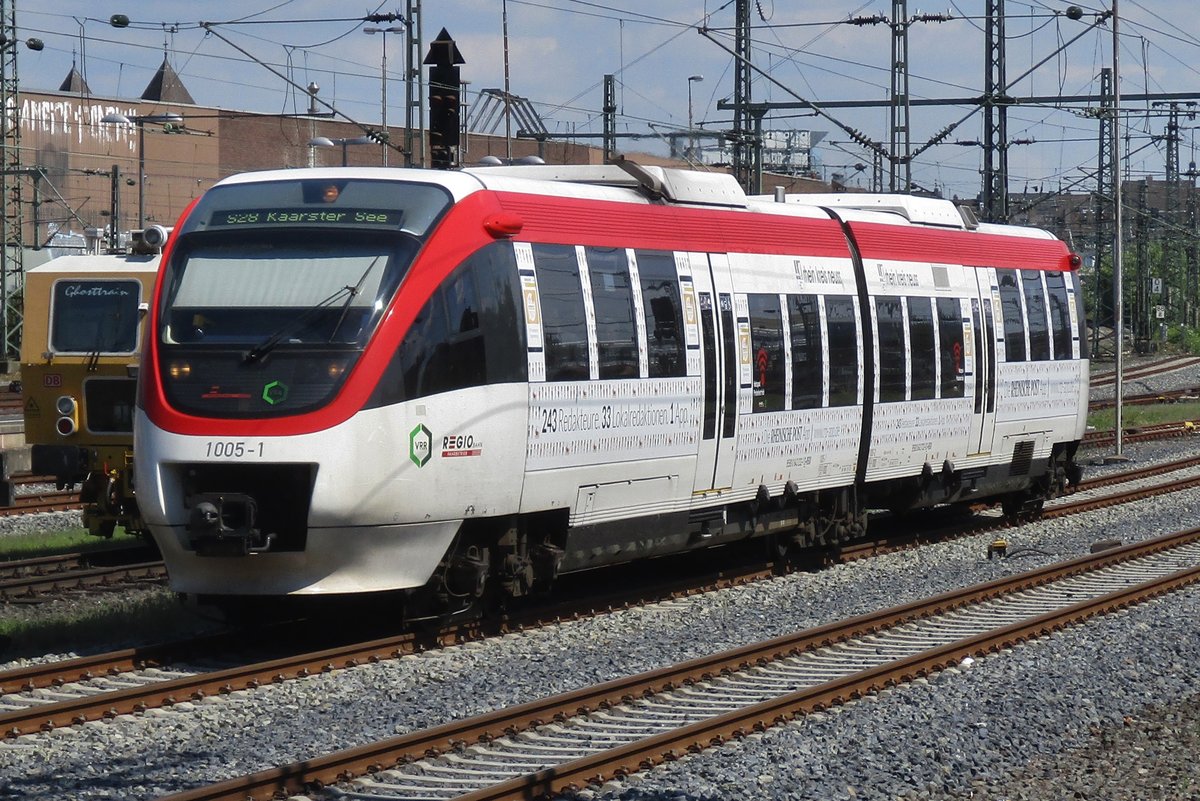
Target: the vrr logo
pixel 420 445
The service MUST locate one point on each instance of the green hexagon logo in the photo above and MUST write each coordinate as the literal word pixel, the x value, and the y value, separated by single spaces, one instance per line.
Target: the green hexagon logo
pixel 420 445
pixel 275 392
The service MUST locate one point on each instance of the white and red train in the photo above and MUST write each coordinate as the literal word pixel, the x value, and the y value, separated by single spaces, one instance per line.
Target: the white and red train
pixel 360 380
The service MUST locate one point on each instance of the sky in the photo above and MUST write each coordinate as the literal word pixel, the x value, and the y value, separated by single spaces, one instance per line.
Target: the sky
pixel 559 51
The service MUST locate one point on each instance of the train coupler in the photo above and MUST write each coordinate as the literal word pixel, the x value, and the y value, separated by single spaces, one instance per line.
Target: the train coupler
pixel 225 524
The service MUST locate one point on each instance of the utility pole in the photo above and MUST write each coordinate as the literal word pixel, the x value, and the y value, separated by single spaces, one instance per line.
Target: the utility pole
pixel 1184 304
pixel 1102 205
pixel 1141 292
pixel 1170 208
pixel 414 89
pixel 114 209
pixel 1118 247
pixel 900 143
pixel 995 119
pixel 741 93
pixel 12 241
pixel 610 118
pixel 1193 251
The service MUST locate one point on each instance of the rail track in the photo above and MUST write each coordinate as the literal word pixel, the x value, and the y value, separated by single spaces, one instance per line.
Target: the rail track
pixel 1108 378
pixel 584 738
pixel 36 579
pixel 1147 433
pixel 163 677
pixel 52 501
pixel 1149 398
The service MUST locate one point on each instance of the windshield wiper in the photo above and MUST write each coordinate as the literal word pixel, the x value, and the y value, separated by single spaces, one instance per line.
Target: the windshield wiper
pixel 350 299
pixel 267 345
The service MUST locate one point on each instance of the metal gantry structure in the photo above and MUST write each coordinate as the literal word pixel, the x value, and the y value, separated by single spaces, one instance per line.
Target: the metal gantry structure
pixel 12 271
pixel 743 147
pixel 413 89
pixel 900 132
pixel 995 118
pixel 1106 175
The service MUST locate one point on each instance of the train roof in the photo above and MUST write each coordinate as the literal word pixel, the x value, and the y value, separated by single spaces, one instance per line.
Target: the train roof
pixel 106 263
pixel 628 182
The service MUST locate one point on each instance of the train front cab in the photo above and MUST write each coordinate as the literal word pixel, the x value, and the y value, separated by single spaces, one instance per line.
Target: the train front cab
pixel 79 361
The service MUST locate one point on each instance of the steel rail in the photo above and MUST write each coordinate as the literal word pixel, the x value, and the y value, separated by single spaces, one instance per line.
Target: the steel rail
pixel 1149 398
pixel 1102 439
pixel 26 587
pixel 1155 368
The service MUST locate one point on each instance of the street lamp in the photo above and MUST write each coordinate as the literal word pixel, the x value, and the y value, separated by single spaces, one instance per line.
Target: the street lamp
pixel 325 141
pixel 691 137
pixel 383 81
pixel 116 118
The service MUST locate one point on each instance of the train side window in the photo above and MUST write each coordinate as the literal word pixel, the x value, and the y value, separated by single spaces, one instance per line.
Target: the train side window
pixel 950 347
pixel 805 318
pixel 893 363
pixel 766 342
pixel 1060 314
pixel 563 320
pixel 843 351
pixel 1014 317
pixel 1035 313
pixel 612 300
pixel 664 313
pixel 924 350
pixel 470 332
pixel 466 362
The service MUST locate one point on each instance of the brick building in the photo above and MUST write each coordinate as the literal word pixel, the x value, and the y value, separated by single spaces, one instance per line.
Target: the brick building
pixel 64 133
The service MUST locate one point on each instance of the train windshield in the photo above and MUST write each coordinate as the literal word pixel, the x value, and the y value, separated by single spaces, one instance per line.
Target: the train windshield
pixel 282 290
pixel 274 289
pixel 94 316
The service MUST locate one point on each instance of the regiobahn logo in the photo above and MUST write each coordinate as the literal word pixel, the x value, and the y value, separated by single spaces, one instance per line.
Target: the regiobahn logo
pixel 420 446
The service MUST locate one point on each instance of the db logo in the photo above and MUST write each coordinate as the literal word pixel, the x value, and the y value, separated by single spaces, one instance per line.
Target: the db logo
pixel 52 380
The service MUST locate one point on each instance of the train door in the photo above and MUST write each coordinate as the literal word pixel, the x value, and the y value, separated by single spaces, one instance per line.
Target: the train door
pixel 718 441
pixel 983 332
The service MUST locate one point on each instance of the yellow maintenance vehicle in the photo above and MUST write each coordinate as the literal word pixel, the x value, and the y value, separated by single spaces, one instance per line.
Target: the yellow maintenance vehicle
pixel 79 360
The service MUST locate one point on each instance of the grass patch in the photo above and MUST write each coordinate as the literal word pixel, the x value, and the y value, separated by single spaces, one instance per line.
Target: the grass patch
pixel 52 543
pixel 1145 415
pixel 117 620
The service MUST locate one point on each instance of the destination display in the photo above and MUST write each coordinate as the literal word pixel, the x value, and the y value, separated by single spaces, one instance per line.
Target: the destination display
pixel 306 216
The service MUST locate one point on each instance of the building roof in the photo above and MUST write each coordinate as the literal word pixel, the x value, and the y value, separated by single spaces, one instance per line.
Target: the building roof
pixel 74 83
pixel 166 87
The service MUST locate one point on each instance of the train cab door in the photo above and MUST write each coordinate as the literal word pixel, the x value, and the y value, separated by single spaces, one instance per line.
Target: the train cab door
pixel 983 333
pixel 719 360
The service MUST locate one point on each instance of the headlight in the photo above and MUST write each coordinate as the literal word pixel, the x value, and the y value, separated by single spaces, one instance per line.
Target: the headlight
pixel 68 415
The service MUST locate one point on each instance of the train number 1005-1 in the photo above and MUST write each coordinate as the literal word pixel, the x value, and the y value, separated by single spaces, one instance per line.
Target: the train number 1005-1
pixel 232 449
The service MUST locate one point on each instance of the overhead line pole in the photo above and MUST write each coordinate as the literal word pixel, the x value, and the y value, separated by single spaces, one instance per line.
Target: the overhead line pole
pixel 742 89
pixel 1118 244
pixel 995 119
